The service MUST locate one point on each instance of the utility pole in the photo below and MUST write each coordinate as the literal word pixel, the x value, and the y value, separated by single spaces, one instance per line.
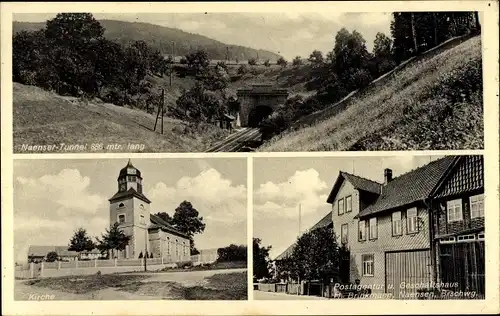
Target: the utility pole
pixel 172 64
pixel 146 249
pixel 161 111
pixel 300 216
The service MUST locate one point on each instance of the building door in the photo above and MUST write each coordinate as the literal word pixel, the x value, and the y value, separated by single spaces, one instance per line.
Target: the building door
pixel 406 270
pixel 463 263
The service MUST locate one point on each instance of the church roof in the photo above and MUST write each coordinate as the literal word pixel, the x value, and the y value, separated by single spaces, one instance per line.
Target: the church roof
pixel 158 222
pixel 126 194
pixel 123 171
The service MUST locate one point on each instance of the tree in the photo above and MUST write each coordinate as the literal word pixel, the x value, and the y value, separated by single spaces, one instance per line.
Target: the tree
pixel 81 241
pixel 267 63
pixel 165 216
pixel 141 255
pixel 186 219
pixel 232 253
pixel 52 256
pixel 72 29
pixel 260 259
pixel 197 61
pixel 297 61
pixel 252 61
pixel 382 47
pixel 281 62
pixel 316 255
pixel 316 58
pixel 113 239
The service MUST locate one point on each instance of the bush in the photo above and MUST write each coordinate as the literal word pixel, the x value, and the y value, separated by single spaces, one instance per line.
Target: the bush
pixel 243 69
pixel 52 256
pixel 185 264
pixel 232 253
pixel 252 61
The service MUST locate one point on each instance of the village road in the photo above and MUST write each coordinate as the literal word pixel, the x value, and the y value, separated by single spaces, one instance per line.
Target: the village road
pixel 261 295
pixel 188 278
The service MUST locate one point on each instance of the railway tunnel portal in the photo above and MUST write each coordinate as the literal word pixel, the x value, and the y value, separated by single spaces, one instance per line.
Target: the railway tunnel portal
pixel 258 102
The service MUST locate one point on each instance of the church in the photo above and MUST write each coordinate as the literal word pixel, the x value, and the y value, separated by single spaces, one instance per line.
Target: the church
pixel 148 232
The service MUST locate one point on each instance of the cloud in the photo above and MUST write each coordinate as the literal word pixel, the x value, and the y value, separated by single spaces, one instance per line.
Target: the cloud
pixel 48 209
pixel 222 205
pixel 304 188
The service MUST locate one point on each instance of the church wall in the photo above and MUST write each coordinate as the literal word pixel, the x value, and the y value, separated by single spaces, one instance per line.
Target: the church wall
pixel 169 246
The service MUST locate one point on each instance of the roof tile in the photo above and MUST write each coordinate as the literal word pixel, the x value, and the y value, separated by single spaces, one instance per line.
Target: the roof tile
pixel 410 187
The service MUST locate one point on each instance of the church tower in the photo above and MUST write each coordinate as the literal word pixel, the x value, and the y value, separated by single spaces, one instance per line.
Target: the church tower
pixel 129 207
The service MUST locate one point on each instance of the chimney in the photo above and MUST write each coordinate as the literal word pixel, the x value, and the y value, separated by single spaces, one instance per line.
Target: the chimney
pixel 387 175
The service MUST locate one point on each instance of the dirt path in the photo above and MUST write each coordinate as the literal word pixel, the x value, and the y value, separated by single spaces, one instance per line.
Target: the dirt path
pixel 188 278
pixel 191 278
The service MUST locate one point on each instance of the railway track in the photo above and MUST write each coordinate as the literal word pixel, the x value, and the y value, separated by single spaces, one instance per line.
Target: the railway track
pixel 237 141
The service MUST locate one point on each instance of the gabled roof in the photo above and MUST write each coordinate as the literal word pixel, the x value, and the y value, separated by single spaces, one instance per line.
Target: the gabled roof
pixel 357 182
pixel 158 222
pixel 410 187
pixel 324 222
pixel 42 251
pixel 128 193
pixel 467 175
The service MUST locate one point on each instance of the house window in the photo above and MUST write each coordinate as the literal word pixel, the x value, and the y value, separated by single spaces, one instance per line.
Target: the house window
pixel 121 218
pixel 477 206
pixel 396 224
pixel 141 219
pixel 344 231
pixel 373 228
pixel 348 204
pixel 168 245
pixel 454 208
pixel 362 230
pixel 121 205
pixel 411 220
pixel 368 266
pixel 341 206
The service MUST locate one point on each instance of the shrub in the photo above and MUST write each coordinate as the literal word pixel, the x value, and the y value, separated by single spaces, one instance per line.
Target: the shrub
pixel 232 253
pixel 52 256
pixel 243 69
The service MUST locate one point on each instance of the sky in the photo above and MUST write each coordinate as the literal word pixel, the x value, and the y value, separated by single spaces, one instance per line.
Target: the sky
pixel 290 182
pixel 289 34
pixel 53 198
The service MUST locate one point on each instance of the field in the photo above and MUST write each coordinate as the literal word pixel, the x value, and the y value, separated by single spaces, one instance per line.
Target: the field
pixel 433 103
pixel 196 285
pixel 45 118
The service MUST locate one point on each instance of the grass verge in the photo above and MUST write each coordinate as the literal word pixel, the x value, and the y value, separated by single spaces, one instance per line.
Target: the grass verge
pixel 433 103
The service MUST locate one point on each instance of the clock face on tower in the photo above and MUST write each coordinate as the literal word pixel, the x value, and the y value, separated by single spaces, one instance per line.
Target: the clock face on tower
pixel 123 186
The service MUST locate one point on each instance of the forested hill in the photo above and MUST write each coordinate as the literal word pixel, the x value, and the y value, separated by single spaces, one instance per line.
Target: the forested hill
pixel 160 37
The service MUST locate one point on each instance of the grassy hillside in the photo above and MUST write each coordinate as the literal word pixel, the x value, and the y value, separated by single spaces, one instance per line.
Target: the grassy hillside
pixel 433 103
pixel 44 118
pixel 161 38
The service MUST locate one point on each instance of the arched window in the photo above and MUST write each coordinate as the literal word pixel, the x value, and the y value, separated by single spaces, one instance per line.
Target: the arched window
pixel 121 205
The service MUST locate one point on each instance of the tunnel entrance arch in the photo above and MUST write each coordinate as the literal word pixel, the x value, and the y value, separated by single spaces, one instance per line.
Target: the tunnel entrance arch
pixel 258 114
pixel 258 102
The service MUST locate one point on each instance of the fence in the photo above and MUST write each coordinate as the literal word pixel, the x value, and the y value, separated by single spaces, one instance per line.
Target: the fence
pixel 61 268
pixel 288 288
